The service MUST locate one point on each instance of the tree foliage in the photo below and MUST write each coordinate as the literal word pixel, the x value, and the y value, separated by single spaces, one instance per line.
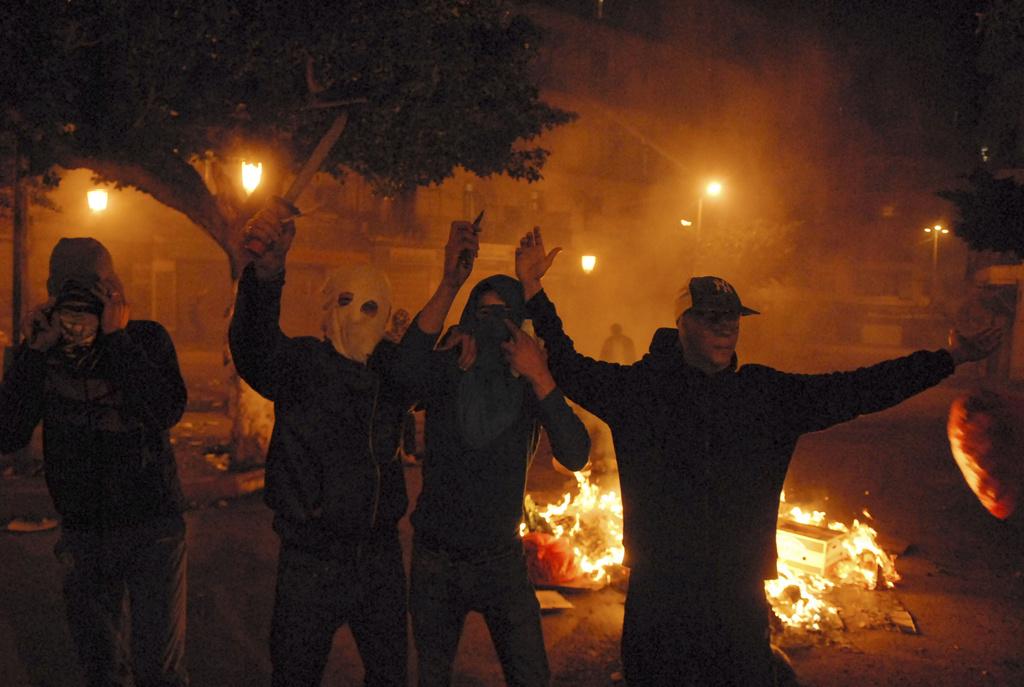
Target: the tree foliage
pixel 145 93
pixel 1001 59
pixel 991 213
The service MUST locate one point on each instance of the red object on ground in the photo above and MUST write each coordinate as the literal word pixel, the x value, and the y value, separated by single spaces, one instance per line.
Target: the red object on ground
pixel 549 560
pixel 986 435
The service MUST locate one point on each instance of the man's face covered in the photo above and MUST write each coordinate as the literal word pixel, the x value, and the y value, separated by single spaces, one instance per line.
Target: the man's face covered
pixel 492 301
pixel 357 304
pixel 77 310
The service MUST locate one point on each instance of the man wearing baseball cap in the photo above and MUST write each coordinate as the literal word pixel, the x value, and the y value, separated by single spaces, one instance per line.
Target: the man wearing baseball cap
pixel 703 446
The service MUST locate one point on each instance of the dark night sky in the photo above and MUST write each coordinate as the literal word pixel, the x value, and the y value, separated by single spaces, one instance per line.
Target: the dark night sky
pixel 904 58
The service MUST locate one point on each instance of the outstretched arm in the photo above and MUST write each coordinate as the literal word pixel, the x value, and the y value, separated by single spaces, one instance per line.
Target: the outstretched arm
pixel 812 402
pixel 591 383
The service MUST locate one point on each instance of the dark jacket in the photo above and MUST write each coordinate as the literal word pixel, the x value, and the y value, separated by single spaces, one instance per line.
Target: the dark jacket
pixel 333 478
pixel 472 499
pixel 106 451
pixel 702 458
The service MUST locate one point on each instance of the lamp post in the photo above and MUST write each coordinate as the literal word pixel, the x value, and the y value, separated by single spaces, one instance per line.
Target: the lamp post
pixel 588 263
pixel 935 231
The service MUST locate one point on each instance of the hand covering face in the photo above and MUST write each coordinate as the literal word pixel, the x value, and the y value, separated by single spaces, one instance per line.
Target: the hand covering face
pixel 490 398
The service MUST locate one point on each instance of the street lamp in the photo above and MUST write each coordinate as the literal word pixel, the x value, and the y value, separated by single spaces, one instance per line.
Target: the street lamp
pixel 97 199
pixel 935 231
pixel 712 190
pixel 587 263
pixel 252 173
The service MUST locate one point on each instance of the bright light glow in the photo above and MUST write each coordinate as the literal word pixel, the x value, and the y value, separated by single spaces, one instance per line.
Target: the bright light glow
pixel 97 199
pixel 588 262
pixel 252 173
pixel 686 223
pixel 927 230
pixel 714 189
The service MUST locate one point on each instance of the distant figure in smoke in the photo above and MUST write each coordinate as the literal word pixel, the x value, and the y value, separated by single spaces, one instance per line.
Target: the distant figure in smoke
pixel 485 404
pixel 333 478
pixel 618 348
pixel 703 447
pixel 107 390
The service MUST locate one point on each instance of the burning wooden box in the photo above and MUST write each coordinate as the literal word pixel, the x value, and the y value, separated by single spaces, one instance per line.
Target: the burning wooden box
pixel 809 547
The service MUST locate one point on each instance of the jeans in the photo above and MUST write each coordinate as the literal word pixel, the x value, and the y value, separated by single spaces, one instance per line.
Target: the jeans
pixel 677 633
pixel 125 592
pixel 445 589
pixel 318 592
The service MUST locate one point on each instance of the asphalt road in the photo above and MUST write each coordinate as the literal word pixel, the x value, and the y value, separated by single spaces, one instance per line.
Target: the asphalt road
pixel 962 581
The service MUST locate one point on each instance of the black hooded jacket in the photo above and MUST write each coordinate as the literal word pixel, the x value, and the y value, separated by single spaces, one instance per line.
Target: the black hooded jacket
pixel 702 458
pixel 333 478
pixel 106 415
pixel 472 498
pixel 106 448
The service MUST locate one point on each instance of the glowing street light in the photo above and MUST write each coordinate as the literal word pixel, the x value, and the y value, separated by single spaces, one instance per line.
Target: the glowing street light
pixel 97 199
pixel 252 173
pixel 936 231
pixel 712 190
pixel 587 263
pixel 685 223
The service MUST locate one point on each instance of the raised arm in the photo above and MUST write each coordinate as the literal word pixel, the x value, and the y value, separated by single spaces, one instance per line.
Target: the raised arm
pixel 595 385
pixel 260 350
pixel 570 442
pixel 418 366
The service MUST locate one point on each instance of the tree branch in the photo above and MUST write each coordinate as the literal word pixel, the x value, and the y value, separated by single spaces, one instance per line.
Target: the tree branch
pixel 171 181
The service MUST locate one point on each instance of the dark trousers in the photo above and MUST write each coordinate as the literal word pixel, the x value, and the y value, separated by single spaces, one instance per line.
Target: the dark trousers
pixel 680 633
pixel 125 592
pixel 445 589
pixel 319 592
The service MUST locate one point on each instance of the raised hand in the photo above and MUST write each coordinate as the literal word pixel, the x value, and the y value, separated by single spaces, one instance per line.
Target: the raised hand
pixel 526 358
pixel 115 307
pixel 461 237
pixel 532 262
pixel 39 328
pixel 456 338
pixel 268 235
pixel 966 349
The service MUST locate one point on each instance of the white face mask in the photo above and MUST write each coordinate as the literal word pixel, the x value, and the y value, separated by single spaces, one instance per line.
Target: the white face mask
pixel 357 305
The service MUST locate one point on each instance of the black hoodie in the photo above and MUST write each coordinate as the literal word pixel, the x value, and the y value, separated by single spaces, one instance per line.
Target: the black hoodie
pixel 472 497
pixel 702 458
pixel 333 477
pixel 106 449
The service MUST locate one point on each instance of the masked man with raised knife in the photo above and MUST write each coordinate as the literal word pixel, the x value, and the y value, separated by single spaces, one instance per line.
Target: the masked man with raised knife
pixel 333 478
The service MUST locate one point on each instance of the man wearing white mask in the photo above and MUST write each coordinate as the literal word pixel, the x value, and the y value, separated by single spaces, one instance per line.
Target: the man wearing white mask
pixel 333 479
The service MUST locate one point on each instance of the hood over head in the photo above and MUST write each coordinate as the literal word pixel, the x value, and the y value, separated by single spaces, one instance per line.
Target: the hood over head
pixel 76 265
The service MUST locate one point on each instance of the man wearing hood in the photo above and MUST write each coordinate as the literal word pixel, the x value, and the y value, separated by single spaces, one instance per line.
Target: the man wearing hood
pixel 483 417
pixel 107 390
pixel 333 478
pixel 703 447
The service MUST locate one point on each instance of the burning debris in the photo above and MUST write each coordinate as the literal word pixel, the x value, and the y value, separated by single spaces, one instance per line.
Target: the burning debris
pixel 577 542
